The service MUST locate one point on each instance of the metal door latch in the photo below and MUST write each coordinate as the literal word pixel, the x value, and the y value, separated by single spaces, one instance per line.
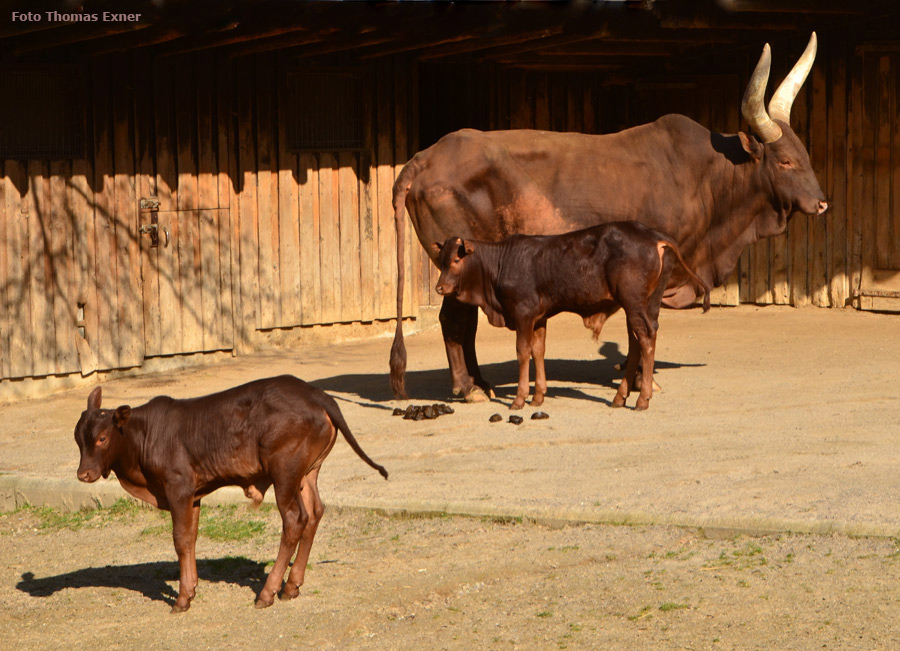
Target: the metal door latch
pixel 152 229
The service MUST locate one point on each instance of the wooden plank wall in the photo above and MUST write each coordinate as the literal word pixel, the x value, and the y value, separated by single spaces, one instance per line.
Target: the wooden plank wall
pixel 79 289
pixel 316 229
pixel 70 287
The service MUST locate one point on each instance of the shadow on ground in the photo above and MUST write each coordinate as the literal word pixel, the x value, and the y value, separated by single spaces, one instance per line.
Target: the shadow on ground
pixel 150 579
pixel 434 384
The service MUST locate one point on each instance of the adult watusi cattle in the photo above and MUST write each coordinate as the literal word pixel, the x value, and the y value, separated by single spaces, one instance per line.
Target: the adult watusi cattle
pixel 171 453
pixel 523 280
pixel 714 194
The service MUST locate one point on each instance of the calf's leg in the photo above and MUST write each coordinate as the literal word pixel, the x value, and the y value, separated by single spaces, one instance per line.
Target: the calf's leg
pixel 185 521
pixel 538 347
pixel 631 364
pixel 313 506
pixel 524 338
pixel 293 520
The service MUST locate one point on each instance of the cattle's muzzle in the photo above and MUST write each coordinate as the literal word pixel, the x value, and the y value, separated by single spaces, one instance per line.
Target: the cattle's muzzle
pixel 443 289
pixel 821 207
pixel 88 476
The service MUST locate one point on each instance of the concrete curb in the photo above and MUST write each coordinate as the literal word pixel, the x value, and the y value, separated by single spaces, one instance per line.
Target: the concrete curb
pixel 17 491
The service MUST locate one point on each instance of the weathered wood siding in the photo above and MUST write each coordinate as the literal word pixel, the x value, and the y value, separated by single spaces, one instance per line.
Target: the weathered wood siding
pixel 316 229
pixel 252 236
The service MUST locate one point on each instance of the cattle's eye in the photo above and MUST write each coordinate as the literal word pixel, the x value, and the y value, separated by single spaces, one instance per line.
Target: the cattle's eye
pixel 101 438
pixel 786 164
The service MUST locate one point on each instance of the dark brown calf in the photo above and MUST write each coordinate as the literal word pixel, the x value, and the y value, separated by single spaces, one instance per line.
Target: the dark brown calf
pixel 171 453
pixel 522 281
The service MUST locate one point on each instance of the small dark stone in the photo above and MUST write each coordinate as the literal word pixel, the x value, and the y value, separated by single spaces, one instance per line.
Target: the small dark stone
pixel 428 411
pixel 441 409
pixel 496 418
pixel 516 420
pixel 539 415
pixel 420 415
pixel 398 412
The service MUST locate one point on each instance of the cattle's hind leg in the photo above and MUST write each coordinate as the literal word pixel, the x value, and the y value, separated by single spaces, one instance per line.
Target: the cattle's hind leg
pixel 312 503
pixel 524 343
pixel 293 520
pixel 538 347
pixel 631 364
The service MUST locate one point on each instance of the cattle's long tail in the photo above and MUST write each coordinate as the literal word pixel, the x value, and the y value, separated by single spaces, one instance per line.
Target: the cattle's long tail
pixel 663 244
pixel 334 413
pixel 398 348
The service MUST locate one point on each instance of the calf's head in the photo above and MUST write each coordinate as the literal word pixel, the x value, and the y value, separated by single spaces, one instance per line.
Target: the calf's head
pixel 452 257
pixel 781 159
pixel 99 435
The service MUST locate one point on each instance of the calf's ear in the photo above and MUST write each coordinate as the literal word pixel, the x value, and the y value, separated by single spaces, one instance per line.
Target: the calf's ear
pixel 437 246
pixel 120 417
pixel 94 398
pixel 467 246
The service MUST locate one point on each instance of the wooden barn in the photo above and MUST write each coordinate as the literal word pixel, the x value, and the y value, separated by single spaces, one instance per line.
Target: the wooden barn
pixel 211 178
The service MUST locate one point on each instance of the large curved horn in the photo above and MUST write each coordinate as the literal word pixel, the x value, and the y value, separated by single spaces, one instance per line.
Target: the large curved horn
pixel 783 99
pixel 752 107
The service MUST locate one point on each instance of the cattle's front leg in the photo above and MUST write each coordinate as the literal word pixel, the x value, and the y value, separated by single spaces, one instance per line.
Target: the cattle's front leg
pixel 312 503
pixel 455 318
pixel 185 522
pixel 524 339
pixel 539 345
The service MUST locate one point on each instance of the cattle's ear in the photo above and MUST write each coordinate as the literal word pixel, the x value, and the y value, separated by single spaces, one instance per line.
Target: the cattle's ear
pixel 94 398
pixel 120 416
pixel 751 145
pixel 467 246
pixel 437 246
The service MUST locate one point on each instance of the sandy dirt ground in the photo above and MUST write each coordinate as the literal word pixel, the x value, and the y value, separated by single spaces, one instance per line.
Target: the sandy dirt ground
pixel 770 420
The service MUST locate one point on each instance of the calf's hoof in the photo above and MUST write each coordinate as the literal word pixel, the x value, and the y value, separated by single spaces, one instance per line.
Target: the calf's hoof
pixel 179 607
pixel 642 404
pixel 289 592
pixel 538 400
pixel 264 601
pixel 618 402
pixel 518 403
pixel 477 394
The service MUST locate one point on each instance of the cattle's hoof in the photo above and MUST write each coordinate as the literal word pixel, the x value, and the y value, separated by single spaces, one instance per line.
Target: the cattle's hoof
pixel 264 600
pixel 618 402
pixel 517 404
pixel 289 592
pixel 642 404
pixel 180 608
pixel 477 394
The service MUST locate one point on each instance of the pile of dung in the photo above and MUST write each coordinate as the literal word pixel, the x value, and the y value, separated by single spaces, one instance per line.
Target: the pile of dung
pixel 423 412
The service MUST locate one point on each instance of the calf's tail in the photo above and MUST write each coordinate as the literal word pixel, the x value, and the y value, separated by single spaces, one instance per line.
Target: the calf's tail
pixel 334 413
pixel 398 348
pixel 663 244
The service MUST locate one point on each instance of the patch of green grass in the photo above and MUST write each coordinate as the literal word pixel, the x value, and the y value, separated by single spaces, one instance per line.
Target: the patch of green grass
pixel 544 614
pixel 54 519
pixel 671 605
pixel 228 523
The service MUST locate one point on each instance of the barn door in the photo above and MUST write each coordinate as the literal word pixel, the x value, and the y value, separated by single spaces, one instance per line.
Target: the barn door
pixel 877 179
pixel 186 271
